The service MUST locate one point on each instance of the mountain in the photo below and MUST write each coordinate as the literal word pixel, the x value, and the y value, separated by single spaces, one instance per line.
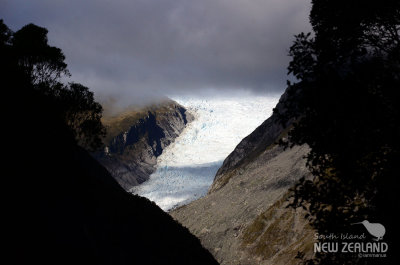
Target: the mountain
pixel 62 207
pixel 136 137
pixel 244 219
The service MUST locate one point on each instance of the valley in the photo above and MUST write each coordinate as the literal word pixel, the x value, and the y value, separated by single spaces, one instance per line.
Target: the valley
pixel 186 168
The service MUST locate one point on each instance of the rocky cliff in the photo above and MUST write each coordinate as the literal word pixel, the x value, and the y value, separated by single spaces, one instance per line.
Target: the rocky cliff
pixel 252 146
pixel 244 219
pixel 135 138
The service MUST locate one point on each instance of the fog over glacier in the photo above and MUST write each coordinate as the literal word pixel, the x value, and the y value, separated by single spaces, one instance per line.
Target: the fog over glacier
pixel 186 168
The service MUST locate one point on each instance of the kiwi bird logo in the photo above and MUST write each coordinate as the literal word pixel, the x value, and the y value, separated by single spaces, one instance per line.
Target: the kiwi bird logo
pixel 375 229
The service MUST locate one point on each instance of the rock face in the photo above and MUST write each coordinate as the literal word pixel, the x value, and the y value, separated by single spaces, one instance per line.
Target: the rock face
pixel 253 145
pixel 136 138
pixel 244 219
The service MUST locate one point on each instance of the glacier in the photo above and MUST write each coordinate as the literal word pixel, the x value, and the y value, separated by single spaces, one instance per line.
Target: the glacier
pixel 186 168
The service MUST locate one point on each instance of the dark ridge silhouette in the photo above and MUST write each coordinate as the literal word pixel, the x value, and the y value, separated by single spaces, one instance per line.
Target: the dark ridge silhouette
pixel 61 205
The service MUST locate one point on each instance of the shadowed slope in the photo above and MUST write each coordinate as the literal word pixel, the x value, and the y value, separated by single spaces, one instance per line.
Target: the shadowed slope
pixel 64 208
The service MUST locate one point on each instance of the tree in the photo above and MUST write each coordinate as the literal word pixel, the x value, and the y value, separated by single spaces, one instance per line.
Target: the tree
pixel 346 105
pixel 5 34
pixel 27 56
pixel 83 115
pixel 41 62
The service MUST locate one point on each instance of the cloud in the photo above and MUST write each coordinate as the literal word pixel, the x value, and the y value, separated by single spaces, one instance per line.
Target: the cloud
pixel 135 49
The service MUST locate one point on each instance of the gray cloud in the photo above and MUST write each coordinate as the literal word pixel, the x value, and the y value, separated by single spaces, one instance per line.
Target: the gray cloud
pixel 135 49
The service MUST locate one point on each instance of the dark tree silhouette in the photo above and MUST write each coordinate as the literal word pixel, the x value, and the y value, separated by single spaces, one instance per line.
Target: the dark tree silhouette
pixel 5 34
pixel 346 105
pixel 41 62
pixel 83 115
pixel 26 55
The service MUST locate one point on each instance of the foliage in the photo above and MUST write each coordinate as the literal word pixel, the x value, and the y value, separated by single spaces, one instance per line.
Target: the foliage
pixel 82 114
pixel 61 206
pixel 41 62
pixel 27 56
pixel 346 105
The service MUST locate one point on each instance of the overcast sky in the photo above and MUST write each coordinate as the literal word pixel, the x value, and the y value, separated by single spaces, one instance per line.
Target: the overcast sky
pixel 132 49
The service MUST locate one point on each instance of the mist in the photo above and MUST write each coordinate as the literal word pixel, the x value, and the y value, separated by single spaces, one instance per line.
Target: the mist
pixel 136 52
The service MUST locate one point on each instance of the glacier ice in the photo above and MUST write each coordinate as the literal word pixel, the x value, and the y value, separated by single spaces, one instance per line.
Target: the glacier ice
pixel 186 168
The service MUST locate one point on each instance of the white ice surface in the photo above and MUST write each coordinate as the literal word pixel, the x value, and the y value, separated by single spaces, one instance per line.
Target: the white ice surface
pixel 186 168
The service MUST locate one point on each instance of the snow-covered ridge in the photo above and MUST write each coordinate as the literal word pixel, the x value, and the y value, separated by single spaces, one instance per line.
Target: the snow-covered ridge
pixel 186 168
